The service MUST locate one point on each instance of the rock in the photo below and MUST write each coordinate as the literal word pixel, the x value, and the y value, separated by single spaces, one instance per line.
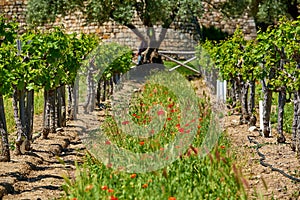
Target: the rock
pixel 252 129
pixel 59 130
pixel 236 122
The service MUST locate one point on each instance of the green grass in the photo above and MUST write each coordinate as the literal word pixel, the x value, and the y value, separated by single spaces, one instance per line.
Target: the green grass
pixel 288 110
pixel 191 176
pixel 287 117
pixel 182 70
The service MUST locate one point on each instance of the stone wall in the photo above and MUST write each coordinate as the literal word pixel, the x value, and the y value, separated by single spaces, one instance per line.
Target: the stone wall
pixel 181 35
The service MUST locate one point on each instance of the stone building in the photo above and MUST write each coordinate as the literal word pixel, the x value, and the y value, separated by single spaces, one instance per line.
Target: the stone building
pixel 181 35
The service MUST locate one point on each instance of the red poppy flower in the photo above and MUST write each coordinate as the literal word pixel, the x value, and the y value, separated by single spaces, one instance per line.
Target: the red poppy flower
pixel 132 175
pixel 110 190
pixel 181 130
pixel 160 112
pixel 171 105
pixel 169 118
pixel 113 198
pixel 104 187
pixel 125 122
pixel 145 185
pixel 107 142
pixel 171 198
pixel 222 147
pixel 109 165
pixel 142 143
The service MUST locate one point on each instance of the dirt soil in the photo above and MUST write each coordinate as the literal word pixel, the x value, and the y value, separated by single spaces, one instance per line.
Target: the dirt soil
pixel 39 173
pixel 264 183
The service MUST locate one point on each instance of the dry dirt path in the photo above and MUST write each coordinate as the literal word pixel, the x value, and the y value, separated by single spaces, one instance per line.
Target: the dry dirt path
pixel 264 183
pixel 38 174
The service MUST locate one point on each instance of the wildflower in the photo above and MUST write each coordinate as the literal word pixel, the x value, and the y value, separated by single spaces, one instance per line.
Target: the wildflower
pixel 113 198
pixel 74 198
pixel 187 124
pixel 154 90
pixel 132 175
pixel 104 187
pixel 171 198
pixel 109 165
pixel 171 105
pixel 125 122
pixel 107 142
pixel 222 147
pixel 178 126
pixel 160 112
pixel 145 185
pixel 142 143
pixel 173 110
pixel 181 130
pixel 169 118
pixel 110 190
pixel 88 188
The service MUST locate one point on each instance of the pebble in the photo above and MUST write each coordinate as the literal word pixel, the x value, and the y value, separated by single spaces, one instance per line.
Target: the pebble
pixel 252 129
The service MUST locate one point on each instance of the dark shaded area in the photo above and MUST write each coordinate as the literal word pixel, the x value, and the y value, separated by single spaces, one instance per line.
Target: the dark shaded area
pixel 212 33
pixel 8 189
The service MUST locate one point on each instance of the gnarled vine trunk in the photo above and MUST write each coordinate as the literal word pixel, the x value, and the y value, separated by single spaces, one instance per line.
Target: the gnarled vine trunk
pixel 23 114
pixel 49 112
pixel 267 104
pixel 19 126
pixel 89 104
pixel 252 121
pixel 244 103
pixel 5 154
pixel 72 108
pixel 60 106
pixel 281 104
pixel 296 123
